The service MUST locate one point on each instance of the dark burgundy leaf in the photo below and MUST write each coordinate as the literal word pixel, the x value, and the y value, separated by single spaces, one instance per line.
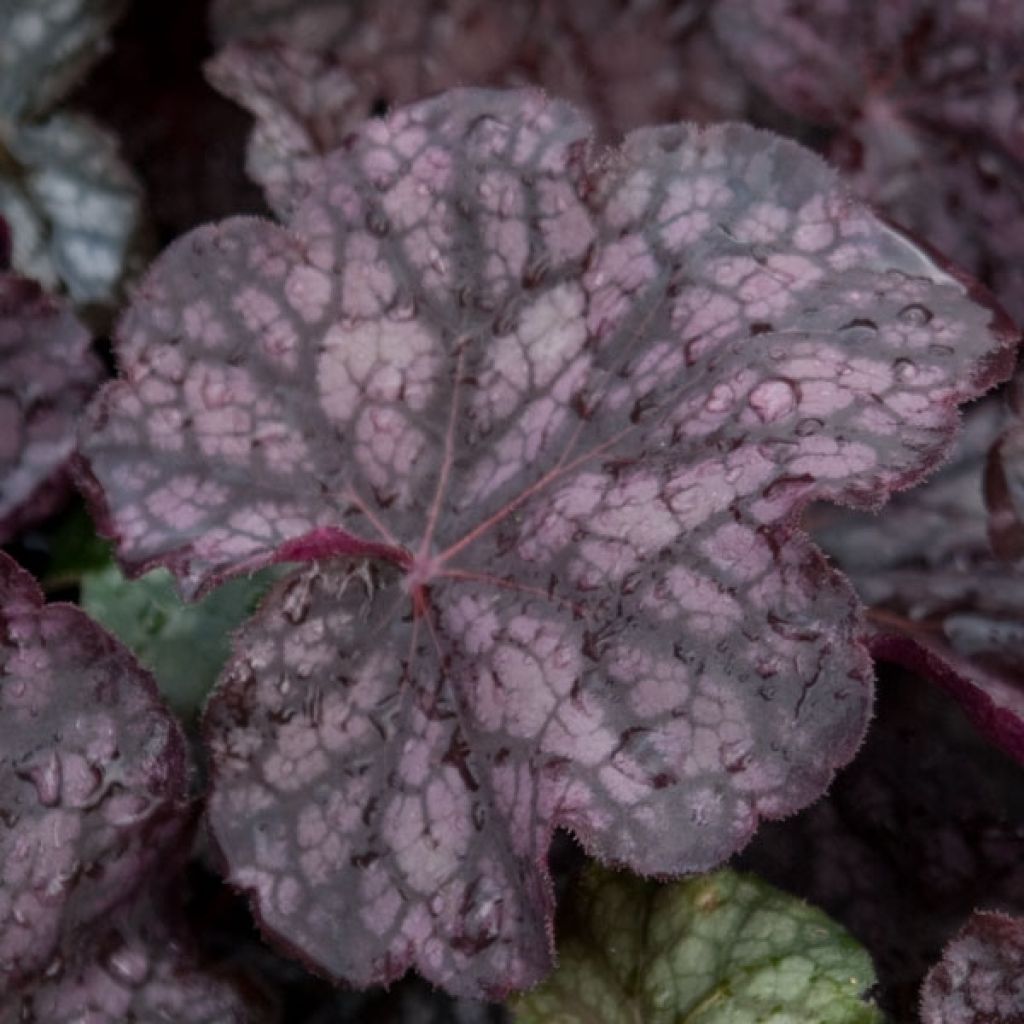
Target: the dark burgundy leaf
pixel 1004 481
pixel 47 374
pixel 942 604
pixel 311 72
pixel 924 827
pixel 93 775
pixel 133 970
pixel 543 419
pixel 980 979
pixel 928 100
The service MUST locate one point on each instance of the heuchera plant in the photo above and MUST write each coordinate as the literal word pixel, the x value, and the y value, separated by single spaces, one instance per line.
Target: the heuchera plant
pixel 501 482
pixel 541 418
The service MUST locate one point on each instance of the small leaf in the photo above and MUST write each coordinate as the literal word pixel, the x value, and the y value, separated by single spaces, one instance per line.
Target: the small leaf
pixel 543 419
pixel 184 645
pixel 980 979
pixel 47 374
pixel 76 207
pixel 45 47
pixel 92 775
pixel 716 949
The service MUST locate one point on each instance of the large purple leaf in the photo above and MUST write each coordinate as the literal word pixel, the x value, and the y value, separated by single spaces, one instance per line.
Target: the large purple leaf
pixel 926 826
pixel 134 969
pixel 980 979
pixel 311 72
pixel 563 407
pixel 92 775
pixel 47 374
pixel 927 96
pixel 941 602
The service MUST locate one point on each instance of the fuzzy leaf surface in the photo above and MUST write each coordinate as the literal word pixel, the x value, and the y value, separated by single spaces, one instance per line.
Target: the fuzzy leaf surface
pixel 543 419
pixel 45 47
pixel 722 948
pixel 980 979
pixel 928 103
pixel 48 372
pixel 133 970
pixel 312 72
pixel 92 775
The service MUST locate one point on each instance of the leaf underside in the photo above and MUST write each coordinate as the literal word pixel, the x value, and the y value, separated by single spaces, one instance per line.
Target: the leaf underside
pixel 543 419
pixel 92 776
pixel 47 374
pixel 980 979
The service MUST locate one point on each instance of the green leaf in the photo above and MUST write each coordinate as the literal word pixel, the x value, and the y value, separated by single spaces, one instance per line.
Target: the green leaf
pixel 184 645
pixel 722 948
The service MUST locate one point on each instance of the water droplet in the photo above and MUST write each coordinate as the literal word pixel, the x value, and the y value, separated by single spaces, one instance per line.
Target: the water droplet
pixel 773 399
pixel 808 426
pixel 437 261
pixel 905 369
pixel 377 223
pixel 733 473
pixel 766 693
pixel 720 398
pixel 128 965
pixel 47 780
pixel 297 600
pixel 859 331
pixel 916 315
pixel 215 392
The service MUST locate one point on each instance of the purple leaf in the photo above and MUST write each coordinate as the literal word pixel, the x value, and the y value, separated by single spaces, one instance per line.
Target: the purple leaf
pixel 942 605
pixel 47 374
pixel 93 776
pixel 133 969
pixel 980 979
pixel 926 98
pixel 311 72
pixel 543 418
pixel 922 829
pixel 1004 482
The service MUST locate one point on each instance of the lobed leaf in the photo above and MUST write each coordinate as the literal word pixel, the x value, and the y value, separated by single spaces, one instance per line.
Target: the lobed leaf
pixel 543 419
pixel 47 374
pixel 92 776
pixel 717 949
pixel 45 47
pixel 311 72
pixel 980 979
pixel 926 100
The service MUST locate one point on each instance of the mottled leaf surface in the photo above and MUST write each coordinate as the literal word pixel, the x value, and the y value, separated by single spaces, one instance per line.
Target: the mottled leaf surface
pixel 133 970
pixel 543 419
pixel 928 103
pixel 311 72
pixel 47 374
pixel 184 645
pixel 45 47
pixel 924 827
pixel 1004 481
pixel 980 979
pixel 75 206
pixel 722 948
pixel 942 604
pixel 92 775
